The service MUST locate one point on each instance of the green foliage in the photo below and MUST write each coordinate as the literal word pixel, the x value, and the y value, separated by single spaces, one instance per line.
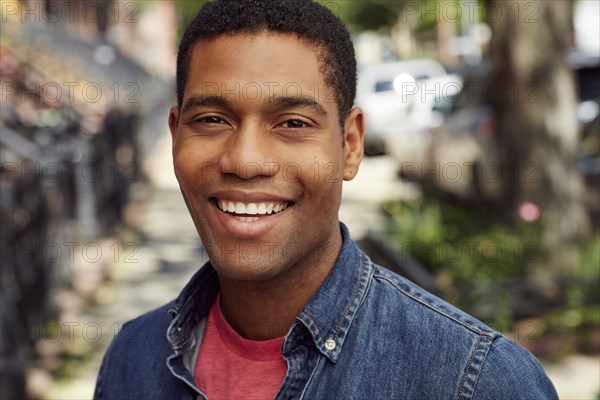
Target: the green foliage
pixel 382 15
pixel 475 258
pixel 581 312
pixel 460 243
pixel 478 261
pixel 590 259
pixel 365 15
pixel 186 11
pixel 590 142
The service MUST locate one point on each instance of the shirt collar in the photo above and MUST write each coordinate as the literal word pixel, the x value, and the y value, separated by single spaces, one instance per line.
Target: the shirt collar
pixel 330 312
pixel 327 316
pixel 192 305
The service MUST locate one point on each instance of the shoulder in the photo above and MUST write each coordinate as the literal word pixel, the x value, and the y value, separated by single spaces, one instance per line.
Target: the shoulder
pixel 145 329
pixel 389 287
pixel 511 372
pixel 493 367
pixel 136 354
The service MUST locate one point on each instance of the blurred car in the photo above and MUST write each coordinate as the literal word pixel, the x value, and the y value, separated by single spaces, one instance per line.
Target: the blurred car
pixel 447 151
pixel 586 67
pixel 399 97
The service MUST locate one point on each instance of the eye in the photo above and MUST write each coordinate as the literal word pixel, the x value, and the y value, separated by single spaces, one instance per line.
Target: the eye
pixel 210 119
pixel 295 124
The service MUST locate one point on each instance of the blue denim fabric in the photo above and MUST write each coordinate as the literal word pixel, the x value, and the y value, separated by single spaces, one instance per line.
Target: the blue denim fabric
pixel 366 334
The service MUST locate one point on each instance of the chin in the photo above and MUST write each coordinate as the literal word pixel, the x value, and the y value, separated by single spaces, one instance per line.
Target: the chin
pixel 248 273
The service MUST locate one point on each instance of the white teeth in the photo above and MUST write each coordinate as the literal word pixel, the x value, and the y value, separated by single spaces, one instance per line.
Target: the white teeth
pixel 262 208
pixel 230 207
pixel 248 219
pixel 251 208
pixel 240 208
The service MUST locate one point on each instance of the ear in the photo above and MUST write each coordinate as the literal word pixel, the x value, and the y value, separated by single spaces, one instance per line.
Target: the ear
pixel 173 123
pixel 354 133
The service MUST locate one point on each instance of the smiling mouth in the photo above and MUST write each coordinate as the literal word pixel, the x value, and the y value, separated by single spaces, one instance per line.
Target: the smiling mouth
pixel 250 212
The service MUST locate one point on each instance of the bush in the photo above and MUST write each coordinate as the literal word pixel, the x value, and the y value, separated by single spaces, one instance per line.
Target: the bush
pixel 464 246
pixel 487 268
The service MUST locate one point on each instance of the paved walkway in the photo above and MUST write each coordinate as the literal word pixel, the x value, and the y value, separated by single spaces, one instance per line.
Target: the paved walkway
pixel 150 272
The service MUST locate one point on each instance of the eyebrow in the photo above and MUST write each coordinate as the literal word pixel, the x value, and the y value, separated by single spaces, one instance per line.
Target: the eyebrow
pixel 297 101
pixel 199 101
pixel 274 102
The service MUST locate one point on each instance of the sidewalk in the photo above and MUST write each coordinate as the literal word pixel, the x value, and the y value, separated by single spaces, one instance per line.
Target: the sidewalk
pixel 149 273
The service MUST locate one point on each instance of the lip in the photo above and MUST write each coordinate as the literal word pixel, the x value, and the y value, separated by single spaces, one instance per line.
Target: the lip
pixel 249 197
pixel 233 226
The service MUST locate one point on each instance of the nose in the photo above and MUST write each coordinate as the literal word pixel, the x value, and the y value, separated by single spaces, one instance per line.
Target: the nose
pixel 249 153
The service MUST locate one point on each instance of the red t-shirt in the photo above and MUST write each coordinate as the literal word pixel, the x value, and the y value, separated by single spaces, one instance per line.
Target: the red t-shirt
pixel 231 367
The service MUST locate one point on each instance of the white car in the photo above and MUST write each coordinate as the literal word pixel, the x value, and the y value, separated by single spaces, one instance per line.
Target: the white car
pixel 399 97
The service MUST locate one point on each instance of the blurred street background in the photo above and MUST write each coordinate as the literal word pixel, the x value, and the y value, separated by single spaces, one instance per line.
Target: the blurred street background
pixel 481 181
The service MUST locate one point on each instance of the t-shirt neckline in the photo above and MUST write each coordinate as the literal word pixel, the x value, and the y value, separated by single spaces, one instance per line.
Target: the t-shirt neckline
pixel 258 350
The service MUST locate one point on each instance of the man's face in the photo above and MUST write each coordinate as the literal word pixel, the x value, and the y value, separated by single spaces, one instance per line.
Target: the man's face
pixel 258 154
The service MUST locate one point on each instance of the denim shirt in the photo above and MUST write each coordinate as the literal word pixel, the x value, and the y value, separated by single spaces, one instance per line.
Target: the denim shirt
pixel 367 333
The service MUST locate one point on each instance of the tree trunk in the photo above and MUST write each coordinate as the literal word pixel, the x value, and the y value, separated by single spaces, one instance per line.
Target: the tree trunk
pixel 532 93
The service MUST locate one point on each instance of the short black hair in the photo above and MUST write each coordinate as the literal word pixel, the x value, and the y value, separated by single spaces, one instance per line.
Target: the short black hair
pixel 305 18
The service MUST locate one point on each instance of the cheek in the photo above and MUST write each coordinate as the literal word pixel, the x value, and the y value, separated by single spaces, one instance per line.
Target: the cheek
pixel 327 168
pixel 180 157
pixel 188 165
pixel 328 182
pixel 325 184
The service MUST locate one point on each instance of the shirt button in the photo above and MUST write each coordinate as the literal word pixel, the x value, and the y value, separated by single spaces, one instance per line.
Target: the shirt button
pixel 330 344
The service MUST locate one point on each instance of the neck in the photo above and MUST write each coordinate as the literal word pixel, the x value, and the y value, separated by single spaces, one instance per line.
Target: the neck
pixel 262 310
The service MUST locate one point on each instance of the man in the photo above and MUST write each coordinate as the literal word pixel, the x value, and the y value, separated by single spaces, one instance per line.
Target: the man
pixel 288 307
